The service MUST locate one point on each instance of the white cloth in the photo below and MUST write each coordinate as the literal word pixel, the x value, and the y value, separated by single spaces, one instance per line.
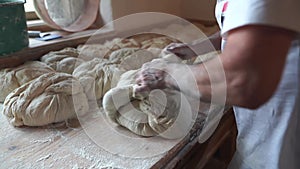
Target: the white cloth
pixel 268 137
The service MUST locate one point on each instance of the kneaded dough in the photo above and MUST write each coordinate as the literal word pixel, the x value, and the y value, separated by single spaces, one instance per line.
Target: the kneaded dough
pixel 50 98
pixel 65 60
pixel 120 107
pixel 12 78
pixel 147 114
pixel 131 58
pixel 105 49
pixel 97 77
pixel 159 42
pixel 120 54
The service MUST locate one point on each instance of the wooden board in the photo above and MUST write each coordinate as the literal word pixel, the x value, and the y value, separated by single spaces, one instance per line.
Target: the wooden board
pixel 61 146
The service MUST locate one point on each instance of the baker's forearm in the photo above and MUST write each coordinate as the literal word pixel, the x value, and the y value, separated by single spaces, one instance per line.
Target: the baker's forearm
pixel 208 45
pixel 247 72
pixel 197 81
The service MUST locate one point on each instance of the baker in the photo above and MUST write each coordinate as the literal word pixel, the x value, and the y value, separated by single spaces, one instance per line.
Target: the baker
pixel 260 58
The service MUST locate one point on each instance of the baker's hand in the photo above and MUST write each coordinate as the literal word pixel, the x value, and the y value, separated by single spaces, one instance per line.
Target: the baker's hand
pixel 182 50
pixel 153 75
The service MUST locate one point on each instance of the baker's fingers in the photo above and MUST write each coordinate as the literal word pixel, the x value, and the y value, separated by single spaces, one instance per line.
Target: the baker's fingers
pixel 141 88
pixel 174 46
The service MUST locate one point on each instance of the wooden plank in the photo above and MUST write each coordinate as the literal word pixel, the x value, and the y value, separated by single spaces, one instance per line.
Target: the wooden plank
pixel 59 146
pixel 39 48
pixel 202 153
pixel 73 146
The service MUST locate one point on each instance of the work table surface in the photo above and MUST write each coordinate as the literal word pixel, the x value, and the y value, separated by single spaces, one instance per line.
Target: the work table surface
pixel 61 146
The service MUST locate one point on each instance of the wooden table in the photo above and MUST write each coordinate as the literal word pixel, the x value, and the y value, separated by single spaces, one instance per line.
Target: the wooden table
pixel 59 146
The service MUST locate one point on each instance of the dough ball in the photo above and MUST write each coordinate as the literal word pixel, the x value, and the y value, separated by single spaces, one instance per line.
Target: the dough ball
pixel 139 38
pixel 137 59
pixel 97 77
pixel 169 113
pixel 120 54
pixel 12 78
pixel 50 98
pixel 65 60
pixel 131 58
pixel 147 114
pixel 104 50
pixel 159 42
pixel 155 51
pixel 126 43
pixel 128 78
pixel 123 109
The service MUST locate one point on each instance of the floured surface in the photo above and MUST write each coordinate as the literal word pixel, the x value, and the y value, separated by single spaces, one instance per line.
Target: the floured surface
pixel 58 146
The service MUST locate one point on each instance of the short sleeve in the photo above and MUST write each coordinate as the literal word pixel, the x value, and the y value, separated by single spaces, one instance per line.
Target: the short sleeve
pixel 279 13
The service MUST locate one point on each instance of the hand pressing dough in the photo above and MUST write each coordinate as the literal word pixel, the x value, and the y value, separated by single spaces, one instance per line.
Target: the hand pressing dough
pixel 12 78
pixel 157 113
pixel 65 60
pixel 51 98
pixel 97 77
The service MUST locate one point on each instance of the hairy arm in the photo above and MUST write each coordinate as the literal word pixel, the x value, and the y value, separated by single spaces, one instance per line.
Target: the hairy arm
pixel 188 51
pixel 247 72
pixel 253 61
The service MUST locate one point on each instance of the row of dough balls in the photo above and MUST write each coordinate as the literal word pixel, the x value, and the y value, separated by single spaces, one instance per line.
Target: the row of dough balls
pixel 39 93
pixel 99 66
pixel 141 41
pixel 66 61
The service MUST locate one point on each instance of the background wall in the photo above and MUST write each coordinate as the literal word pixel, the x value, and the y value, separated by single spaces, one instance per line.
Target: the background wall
pixel 191 9
pixel 198 9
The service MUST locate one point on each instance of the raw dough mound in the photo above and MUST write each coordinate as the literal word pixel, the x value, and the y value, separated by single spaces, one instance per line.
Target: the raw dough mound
pixel 159 42
pixel 65 60
pixel 122 109
pixel 97 77
pixel 144 37
pixel 146 114
pixel 131 58
pixel 12 78
pixel 51 98
pixel 104 50
pixel 120 54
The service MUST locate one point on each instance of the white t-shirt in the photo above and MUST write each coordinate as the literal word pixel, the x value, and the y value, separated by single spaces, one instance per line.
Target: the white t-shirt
pixel 268 137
